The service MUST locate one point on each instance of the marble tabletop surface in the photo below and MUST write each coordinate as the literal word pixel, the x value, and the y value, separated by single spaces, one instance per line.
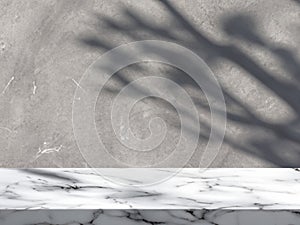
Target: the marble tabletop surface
pixel 189 188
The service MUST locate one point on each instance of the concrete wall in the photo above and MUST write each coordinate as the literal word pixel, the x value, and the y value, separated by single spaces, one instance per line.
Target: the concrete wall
pixel 252 47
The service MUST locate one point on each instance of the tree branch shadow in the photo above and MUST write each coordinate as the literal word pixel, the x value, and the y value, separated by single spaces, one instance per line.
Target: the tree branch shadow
pixel 243 27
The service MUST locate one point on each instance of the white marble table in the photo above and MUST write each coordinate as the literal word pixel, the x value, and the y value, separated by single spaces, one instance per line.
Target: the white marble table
pixel 120 189
pixel 149 196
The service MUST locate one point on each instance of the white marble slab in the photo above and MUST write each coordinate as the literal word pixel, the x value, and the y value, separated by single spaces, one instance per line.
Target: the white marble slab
pixel 189 189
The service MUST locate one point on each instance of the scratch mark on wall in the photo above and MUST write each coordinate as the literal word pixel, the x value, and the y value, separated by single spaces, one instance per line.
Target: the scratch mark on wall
pixel 47 151
pixel 34 88
pixel 77 84
pixel 11 79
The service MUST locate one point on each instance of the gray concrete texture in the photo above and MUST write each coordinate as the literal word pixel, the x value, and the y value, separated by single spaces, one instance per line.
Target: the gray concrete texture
pixel 252 47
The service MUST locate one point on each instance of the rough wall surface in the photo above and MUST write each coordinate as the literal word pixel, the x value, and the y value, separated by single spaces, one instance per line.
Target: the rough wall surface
pixel 252 48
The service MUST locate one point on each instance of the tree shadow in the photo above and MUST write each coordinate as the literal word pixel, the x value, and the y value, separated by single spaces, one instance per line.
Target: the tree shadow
pixel 282 145
pixel 49 174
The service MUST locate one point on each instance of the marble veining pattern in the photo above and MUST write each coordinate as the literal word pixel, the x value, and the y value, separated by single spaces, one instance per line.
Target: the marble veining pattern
pixel 146 217
pixel 83 188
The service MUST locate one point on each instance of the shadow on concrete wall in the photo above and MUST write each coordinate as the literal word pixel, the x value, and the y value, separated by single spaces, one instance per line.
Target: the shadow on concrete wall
pixel 236 26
